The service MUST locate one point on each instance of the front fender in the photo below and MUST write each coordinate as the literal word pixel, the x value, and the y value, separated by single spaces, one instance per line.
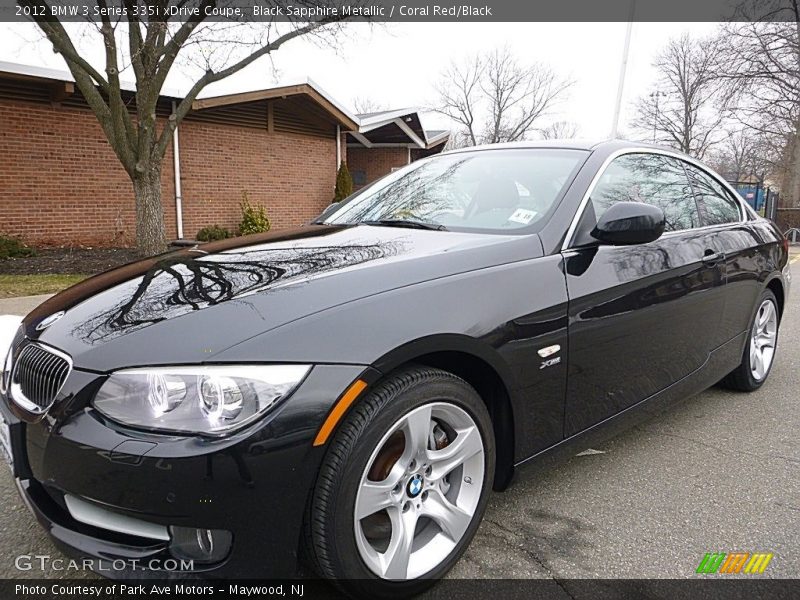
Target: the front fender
pixel 448 342
pixel 502 315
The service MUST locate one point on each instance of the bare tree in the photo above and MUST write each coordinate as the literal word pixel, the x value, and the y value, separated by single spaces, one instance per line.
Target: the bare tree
pixel 460 97
pixel 495 99
pixel 364 105
pixel 518 95
pixel 745 154
pixel 760 60
pixel 559 130
pixel 687 106
pixel 150 48
pixel 733 158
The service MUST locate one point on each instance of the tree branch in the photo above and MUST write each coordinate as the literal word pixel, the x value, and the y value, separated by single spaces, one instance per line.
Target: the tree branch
pixel 210 77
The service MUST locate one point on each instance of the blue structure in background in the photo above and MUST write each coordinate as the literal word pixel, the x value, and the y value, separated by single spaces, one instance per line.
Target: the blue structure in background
pixel 753 193
pixel 763 200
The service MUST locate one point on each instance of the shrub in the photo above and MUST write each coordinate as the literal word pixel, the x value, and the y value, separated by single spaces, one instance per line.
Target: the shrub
pixel 11 247
pixel 344 184
pixel 212 233
pixel 254 218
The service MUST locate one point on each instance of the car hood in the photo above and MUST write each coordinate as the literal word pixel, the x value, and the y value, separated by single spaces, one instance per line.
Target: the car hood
pixel 187 306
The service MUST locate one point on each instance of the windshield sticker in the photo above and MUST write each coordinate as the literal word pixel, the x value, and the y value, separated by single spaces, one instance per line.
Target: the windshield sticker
pixel 522 215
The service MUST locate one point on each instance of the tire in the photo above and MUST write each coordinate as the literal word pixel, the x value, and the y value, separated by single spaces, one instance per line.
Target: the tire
pixel 369 452
pixel 748 377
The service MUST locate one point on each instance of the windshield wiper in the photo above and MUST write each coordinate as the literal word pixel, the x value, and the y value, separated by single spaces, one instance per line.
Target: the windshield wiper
pixel 405 223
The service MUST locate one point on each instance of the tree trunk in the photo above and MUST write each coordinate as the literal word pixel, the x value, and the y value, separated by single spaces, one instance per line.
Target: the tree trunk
pixel 151 235
pixel 790 190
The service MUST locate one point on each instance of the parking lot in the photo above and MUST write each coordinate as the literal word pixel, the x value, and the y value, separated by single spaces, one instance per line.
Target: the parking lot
pixel 719 473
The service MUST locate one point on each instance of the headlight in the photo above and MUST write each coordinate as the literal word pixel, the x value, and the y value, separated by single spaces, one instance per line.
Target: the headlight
pixel 209 400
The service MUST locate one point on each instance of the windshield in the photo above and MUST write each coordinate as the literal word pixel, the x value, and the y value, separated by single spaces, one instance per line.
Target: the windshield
pixel 487 190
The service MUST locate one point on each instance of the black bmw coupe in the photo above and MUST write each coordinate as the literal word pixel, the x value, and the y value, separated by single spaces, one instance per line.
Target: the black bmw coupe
pixel 347 394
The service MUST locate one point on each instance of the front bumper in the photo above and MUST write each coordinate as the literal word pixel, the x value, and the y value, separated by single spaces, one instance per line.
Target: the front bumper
pixel 254 484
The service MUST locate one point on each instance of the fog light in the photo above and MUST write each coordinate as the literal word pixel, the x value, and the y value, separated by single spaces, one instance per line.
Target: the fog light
pixel 199 545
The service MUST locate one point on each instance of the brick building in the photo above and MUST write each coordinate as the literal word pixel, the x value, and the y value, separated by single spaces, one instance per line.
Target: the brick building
pixel 387 140
pixel 61 184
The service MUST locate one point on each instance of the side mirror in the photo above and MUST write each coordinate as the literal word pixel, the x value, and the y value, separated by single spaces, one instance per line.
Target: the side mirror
pixel 627 223
pixel 329 210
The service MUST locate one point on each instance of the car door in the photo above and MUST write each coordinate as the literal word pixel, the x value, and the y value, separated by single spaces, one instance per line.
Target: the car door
pixel 722 210
pixel 640 316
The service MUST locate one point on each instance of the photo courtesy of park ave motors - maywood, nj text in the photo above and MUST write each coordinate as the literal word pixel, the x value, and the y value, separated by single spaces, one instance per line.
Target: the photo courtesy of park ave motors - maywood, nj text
pixel 365 299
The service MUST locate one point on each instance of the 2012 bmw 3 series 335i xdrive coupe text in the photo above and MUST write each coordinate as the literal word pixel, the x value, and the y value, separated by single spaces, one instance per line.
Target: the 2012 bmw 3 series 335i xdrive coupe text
pixel 347 394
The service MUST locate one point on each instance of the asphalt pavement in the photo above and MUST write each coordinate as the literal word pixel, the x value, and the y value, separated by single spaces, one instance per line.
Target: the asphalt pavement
pixel 718 473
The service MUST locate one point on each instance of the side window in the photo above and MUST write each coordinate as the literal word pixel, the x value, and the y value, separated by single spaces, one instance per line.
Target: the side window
pixel 653 179
pixel 715 201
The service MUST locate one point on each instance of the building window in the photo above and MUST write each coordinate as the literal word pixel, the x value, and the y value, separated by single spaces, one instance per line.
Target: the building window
pixel 359 177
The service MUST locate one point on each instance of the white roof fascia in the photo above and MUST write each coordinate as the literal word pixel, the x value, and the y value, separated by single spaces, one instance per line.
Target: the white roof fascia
pixel 61 75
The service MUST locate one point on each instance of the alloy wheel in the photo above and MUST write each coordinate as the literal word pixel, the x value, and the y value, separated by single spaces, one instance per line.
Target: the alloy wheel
pixel 419 491
pixel 762 340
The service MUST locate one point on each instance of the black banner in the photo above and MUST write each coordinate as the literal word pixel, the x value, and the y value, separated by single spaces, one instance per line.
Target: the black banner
pixel 399 11
pixel 745 587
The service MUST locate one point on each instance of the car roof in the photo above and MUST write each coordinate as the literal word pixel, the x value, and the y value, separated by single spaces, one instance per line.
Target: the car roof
pixel 589 145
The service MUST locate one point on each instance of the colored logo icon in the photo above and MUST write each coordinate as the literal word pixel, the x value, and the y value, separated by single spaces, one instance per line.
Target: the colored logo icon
pixel 734 562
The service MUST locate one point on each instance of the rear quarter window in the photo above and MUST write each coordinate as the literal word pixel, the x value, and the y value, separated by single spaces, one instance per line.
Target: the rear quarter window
pixel 716 204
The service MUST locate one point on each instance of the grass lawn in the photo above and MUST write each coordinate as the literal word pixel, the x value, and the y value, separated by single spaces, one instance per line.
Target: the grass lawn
pixel 32 285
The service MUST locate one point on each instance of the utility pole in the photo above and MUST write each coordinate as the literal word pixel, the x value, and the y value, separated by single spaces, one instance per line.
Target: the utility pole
pixel 622 71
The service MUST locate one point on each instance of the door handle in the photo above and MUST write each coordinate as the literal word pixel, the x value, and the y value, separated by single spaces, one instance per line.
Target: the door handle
pixel 711 258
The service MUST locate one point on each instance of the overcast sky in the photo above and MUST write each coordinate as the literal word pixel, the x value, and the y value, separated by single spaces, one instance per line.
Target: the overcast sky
pixel 398 65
